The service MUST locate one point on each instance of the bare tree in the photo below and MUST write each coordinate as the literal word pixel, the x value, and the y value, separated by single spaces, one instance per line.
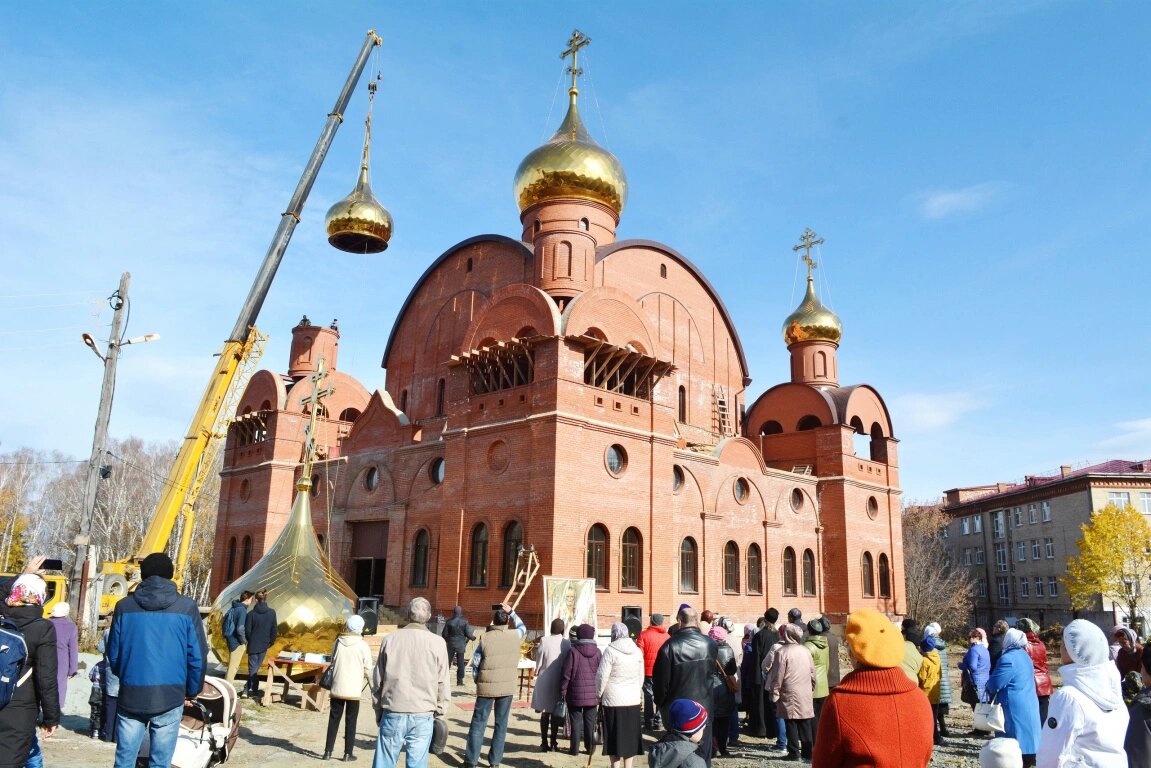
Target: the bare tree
pixel 937 590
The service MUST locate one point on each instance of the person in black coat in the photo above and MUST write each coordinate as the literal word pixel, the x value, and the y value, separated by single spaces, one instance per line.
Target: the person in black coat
pixel 262 631
pixel 457 633
pixel 684 669
pixel 23 607
pixel 763 725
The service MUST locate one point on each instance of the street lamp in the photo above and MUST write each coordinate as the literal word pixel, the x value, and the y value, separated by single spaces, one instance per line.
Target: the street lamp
pixel 96 469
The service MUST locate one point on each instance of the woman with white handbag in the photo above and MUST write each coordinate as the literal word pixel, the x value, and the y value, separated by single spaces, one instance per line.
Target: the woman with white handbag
pixel 1012 686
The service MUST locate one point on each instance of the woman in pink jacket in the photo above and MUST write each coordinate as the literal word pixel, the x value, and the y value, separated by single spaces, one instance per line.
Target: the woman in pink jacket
pixel 792 686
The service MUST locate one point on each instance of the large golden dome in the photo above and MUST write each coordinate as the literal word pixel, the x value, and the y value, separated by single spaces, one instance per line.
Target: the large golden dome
pixel 811 321
pixel 571 164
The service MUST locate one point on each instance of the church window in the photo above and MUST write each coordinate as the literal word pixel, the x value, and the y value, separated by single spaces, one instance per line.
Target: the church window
pixel 873 508
pixel 821 364
pixel 563 260
pixel 878 443
pixel 630 567
pixel 616 459
pixel 513 543
pixel 884 576
pixel 538 226
pixel 663 271
pixel 350 414
pixel 742 489
pixel 584 224
pixel 808 422
pixel 754 570
pixel 420 559
pixel 731 568
pixel 266 405
pixel 868 575
pixel 789 571
pixel 688 564
pixel 371 479
pixel 230 572
pixel 315 486
pixel 597 555
pixel 441 393
pixel 678 478
pixel 246 555
pixel 469 264
pixel 771 428
pixel 320 541
pixel 404 401
pixel 796 499
pixel 436 471
pixel 808 573
pixel 683 404
pixel 478 570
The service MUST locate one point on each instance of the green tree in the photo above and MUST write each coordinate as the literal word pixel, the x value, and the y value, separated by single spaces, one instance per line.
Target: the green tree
pixel 1114 560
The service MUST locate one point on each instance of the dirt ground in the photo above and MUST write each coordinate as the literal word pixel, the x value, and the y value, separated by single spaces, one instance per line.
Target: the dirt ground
pixel 284 735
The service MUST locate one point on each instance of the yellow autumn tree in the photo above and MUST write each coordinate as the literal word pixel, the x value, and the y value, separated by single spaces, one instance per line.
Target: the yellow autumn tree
pixel 1114 560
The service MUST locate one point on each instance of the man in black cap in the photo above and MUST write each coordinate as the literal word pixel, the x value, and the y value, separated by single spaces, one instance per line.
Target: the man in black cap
pixel 157 648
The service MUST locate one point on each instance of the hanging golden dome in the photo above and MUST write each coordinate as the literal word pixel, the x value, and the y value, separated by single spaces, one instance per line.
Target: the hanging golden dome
pixel 811 321
pixel 311 601
pixel 571 164
pixel 358 223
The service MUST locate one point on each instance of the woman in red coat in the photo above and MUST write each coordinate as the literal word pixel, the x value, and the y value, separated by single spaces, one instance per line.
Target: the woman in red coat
pixel 1037 650
pixel 876 716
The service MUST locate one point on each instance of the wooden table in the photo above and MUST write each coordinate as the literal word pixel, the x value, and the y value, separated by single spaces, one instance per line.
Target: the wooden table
pixel 527 675
pixel 282 670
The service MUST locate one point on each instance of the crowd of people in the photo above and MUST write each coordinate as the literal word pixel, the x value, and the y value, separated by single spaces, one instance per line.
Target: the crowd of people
pixel 695 683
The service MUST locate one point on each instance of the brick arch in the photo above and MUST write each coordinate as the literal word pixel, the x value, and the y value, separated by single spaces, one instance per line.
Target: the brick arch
pixel 787 403
pixel 508 311
pixel 263 386
pixel 865 405
pixel 615 313
pixel 655 301
pixel 347 393
pixel 445 332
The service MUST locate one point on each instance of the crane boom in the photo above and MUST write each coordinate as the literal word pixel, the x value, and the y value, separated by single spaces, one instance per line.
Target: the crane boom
pixel 238 356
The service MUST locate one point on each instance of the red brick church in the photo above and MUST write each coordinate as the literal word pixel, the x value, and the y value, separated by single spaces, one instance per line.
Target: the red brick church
pixel 588 396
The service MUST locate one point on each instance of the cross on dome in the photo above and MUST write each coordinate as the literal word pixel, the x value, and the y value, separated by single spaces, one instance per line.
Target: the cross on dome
pixel 808 240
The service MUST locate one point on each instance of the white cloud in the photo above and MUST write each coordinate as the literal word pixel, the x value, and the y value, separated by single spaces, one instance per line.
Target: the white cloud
pixel 923 412
pixel 942 203
pixel 1132 442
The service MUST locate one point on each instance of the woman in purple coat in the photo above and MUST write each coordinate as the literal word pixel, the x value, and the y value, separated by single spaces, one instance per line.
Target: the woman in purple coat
pixel 67 654
pixel 577 687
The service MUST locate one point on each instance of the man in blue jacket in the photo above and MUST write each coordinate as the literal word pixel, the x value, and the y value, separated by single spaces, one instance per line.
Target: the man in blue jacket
pixel 157 648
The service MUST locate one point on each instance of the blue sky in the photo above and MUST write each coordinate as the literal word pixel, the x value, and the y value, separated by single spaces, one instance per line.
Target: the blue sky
pixel 980 172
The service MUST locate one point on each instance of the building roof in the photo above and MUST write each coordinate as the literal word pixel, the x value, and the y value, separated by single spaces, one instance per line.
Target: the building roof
pixel 960 496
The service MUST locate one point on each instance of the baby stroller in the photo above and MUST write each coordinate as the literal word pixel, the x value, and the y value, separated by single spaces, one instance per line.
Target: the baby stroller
pixel 208 729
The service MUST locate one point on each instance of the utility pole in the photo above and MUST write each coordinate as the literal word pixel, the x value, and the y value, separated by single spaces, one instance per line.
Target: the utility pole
pixel 119 303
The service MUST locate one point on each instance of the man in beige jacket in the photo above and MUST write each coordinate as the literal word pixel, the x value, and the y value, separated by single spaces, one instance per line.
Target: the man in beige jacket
pixel 494 666
pixel 410 686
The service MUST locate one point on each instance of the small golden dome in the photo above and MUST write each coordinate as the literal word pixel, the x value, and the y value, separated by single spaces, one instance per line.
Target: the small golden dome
pixel 571 164
pixel 358 223
pixel 811 321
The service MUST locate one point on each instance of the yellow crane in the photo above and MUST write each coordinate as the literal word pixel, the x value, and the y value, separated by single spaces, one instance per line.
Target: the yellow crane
pixel 357 224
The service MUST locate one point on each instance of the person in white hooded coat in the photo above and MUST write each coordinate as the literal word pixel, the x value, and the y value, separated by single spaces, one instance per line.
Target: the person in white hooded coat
pixel 351 673
pixel 1086 720
pixel 619 686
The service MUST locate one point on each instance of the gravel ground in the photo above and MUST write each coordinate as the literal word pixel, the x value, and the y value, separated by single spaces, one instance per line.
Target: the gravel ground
pixel 283 735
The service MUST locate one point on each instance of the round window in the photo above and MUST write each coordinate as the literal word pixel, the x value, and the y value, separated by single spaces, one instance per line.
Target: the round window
pixel 616 459
pixel 245 489
pixel 371 479
pixel 872 507
pixel 742 489
pixel 436 471
pixel 796 499
pixel 498 456
pixel 678 478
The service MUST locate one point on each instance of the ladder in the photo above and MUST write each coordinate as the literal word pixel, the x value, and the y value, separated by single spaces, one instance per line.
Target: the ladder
pixel 527 566
pixel 721 416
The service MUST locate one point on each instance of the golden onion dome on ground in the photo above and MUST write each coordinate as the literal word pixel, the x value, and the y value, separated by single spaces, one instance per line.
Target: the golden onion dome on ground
pixel 571 164
pixel 359 223
pixel 811 321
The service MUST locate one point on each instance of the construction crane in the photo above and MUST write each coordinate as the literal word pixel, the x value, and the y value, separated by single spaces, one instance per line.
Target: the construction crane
pixel 237 360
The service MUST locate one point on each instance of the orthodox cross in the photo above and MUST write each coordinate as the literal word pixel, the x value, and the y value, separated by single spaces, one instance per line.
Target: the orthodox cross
pixel 313 401
pixel 578 40
pixel 806 243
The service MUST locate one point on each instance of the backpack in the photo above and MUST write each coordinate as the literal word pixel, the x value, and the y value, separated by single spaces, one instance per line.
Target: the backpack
pixel 229 627
pixel 13 657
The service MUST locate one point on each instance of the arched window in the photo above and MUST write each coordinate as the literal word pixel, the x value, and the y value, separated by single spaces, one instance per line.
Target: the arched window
pixel 404 401
pixel 597 555
pixel 683 404
pixel 583 224
pixel 771 427
pixel 663 270
pixel 808 572
pixel 884 576
pixel 246 555
pixel 230 573
pixel 469 264
pixel 513 540
pixel 630 565
pixel 789 571
pixel 731 568
pixel 754 570
pixel 420 559
pixel 808 422
pixel 478 570
pixel 688 564
pixel 440 392
pixel 868 575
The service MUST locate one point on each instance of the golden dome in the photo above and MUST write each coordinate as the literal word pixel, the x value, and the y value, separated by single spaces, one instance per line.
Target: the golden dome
pixel 571 164
pixel 358 223
pixel 811 321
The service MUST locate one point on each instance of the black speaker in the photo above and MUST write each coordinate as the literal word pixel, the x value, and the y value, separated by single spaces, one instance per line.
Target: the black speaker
pixel 368 608
pixel 633 619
